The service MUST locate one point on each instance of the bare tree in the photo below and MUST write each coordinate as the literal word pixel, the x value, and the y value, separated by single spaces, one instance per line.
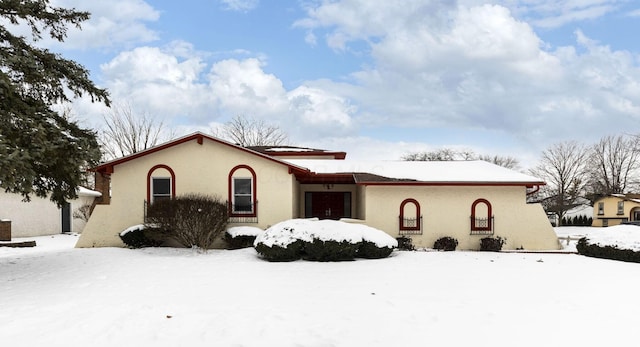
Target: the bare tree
pixel 449 154
pixel 127 132
pixel 504 161
pixel 615 162
pixel 253 132
pixel 564 167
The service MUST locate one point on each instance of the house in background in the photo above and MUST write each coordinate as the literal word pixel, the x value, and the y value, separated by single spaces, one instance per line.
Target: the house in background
pixel 424 201
pixel 41 216
pixel 616 209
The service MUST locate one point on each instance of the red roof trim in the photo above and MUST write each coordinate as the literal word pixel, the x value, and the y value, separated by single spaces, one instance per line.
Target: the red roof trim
pixel 335 155
pixel 481 184
pixel 108 167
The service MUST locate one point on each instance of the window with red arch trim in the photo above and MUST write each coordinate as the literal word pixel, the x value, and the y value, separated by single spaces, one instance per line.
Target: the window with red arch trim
pixel 150 183
pixel 482 224
pixel 409 225
pixel 242 192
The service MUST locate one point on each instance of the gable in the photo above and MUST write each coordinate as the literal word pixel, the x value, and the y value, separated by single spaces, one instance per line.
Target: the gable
pixel 200 139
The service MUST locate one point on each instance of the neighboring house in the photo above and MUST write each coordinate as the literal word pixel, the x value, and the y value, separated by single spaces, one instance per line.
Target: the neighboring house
pixel 41 216
pixel 467 200
pixel 616 209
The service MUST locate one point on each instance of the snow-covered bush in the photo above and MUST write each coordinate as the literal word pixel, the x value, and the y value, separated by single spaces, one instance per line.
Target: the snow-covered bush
pixel 193 220
pixel 241 237
pixel 331 250
pixel 137 236
pixel 491 244
pixel 584 247
pixel 322 240
pixel 370 250
pixel 446 243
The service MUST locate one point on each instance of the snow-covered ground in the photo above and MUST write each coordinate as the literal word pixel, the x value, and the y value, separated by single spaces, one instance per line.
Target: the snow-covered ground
pixel 56 295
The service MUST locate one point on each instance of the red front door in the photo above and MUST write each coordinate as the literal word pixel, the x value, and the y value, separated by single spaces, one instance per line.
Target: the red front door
pixel 328 205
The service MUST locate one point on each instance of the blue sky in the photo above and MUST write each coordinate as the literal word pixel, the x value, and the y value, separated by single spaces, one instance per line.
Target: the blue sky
pixel 377 79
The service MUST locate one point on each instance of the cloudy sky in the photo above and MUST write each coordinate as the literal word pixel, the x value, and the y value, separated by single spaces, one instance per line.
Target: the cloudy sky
pixel 377 79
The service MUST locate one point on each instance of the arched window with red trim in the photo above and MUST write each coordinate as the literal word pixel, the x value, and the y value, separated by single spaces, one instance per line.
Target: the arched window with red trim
pixel 410 219
pixel 162 184
pixel 481 217
pixel 243 201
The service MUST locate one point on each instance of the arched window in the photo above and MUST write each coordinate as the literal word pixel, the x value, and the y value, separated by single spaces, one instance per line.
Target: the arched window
pixel 481 217
pixel 161 183
pixel 242 192
pixel 410 219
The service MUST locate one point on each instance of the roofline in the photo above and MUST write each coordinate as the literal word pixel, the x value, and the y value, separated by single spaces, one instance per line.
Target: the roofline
pixel 108 167
pixel 335 155
pixel 476 184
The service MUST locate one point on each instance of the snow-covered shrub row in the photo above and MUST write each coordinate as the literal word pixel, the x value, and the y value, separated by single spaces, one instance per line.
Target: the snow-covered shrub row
pixel 595 250
pixel 137 236
pixel 446 243
pixel 322 240
pixel 241 236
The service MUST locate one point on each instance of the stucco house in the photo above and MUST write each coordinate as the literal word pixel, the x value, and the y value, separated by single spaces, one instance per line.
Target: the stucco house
pixel 467 200
pixel 40 216
pixel 616 209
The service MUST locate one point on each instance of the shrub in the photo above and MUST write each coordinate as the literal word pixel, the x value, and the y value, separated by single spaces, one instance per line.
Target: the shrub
pixel 492 244
pixel 445 244
pixel 369 250
pixel 137 237
pixel 405 243
pixel 241 236
pixel 331 250
pixel 239 241
pixel 606 252
pixel 275 253
pixel 193 220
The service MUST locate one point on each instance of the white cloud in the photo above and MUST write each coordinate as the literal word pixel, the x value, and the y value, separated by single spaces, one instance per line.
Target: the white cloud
pixel 113 23
pixel 159 82
pixel 240 5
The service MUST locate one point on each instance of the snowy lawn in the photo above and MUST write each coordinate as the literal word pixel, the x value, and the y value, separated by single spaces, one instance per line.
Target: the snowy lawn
pixel 56 295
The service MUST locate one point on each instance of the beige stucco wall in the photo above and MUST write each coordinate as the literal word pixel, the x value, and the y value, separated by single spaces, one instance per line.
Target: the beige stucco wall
pixel 198 169
pixel 39 216
pixel 611 211
pixel 446 211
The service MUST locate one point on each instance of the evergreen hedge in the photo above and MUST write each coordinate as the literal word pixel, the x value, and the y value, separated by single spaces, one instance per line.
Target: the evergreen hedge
pixel 606 252
pixel 369 250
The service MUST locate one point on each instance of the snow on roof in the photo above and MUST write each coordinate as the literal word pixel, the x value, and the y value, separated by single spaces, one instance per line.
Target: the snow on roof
pixel 290 149
pixel 471 171
pixel 82 191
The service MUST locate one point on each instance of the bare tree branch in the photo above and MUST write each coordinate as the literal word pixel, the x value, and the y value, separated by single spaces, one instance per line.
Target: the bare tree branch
pixel 449 154
pixel 252 132
pixel 615 163
pixel 564 167
pixel 126 132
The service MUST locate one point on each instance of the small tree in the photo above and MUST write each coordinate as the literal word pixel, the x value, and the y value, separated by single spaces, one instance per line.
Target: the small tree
pixel 193 220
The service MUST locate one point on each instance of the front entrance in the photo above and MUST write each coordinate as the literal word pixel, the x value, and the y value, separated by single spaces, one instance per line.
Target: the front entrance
pixel 328 205
pixel 66 217
pixel 635 214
